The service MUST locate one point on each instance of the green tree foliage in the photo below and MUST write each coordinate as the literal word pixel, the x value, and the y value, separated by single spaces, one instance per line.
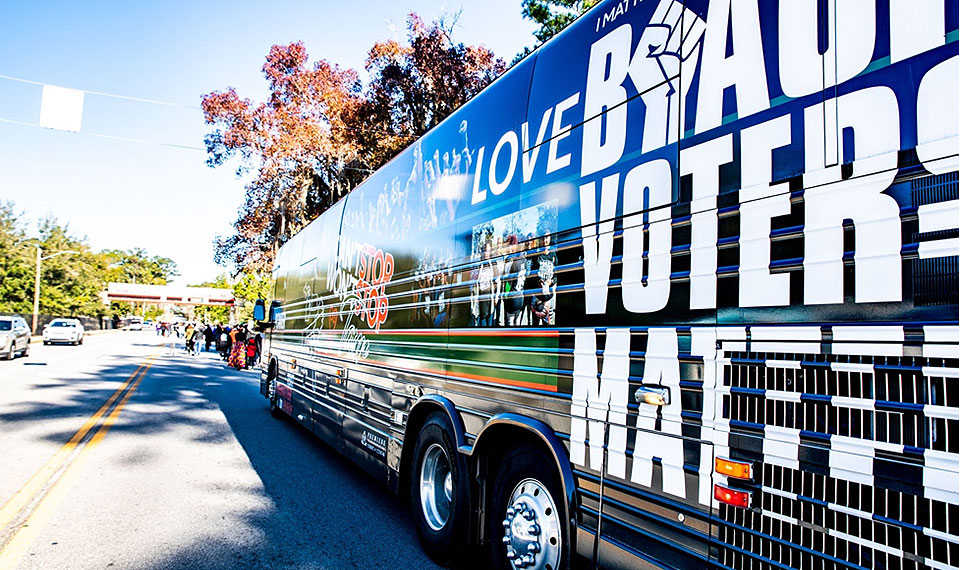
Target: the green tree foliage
pixel 320 132
pixel 248 288
pixel 210 314
pixel 552 16
pixel 16 262
pixel 70 283
pixel 136 266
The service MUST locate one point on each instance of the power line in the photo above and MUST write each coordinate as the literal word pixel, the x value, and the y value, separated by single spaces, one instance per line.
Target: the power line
pixel 105 136
pixel 103 94
pixel 369 130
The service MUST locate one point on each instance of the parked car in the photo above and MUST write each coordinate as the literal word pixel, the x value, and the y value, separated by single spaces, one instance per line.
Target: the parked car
pixel 63 330
pixel 135 324
pixel 14 337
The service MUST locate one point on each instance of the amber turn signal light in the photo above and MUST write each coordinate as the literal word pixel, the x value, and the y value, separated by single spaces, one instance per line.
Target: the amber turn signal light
pixel 731 496
pixel 735 469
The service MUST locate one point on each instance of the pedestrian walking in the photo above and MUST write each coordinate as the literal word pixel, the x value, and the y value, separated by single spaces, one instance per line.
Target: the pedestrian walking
pixel 251 352
pixel 238 349
pixel 188 337
pixel 208 337
pixel 197 340
pixel 223 342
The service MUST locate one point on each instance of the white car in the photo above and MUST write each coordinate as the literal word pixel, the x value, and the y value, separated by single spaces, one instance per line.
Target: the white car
pixel 14 337
pixel 63 330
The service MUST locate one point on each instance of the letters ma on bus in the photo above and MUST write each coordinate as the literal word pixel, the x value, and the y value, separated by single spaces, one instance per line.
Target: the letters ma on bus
pixel 679 290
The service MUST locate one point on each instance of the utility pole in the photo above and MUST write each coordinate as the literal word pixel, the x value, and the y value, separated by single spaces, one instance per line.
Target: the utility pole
pixel 36 293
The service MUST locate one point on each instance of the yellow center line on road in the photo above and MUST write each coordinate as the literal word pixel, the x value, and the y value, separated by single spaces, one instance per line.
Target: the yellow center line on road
pixel 44 490
pixel 40 478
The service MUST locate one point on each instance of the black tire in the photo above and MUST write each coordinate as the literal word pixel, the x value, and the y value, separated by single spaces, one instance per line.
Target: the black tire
pixel 46 343
pixel 26 350
pixel 531 474
pixel 442 517
pixel 275 410
pixel 80 341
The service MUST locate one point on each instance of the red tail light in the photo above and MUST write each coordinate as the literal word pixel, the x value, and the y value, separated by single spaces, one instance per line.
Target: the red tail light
pixel 731 496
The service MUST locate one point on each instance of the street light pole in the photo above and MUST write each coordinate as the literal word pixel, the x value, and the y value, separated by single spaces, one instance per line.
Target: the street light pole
pixel 36 293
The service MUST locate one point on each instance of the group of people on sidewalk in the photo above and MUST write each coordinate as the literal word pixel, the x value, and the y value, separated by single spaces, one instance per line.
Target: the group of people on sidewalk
pixel 238 346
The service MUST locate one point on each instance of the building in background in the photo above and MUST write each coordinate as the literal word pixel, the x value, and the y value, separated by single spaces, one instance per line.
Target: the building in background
pixel 173 300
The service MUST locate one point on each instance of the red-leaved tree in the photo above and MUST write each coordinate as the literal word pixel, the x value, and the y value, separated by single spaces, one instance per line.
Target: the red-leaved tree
pixel 320 132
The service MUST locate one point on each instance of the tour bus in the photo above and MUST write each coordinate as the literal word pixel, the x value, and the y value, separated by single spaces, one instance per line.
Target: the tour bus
pixel 678 290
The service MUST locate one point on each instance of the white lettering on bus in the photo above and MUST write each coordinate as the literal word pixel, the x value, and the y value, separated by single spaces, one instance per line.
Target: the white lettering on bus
pixel 478 194
pixel 555 161
pixel 605 92
pixel 596 403
pixel 559 132
pixel 760 201
pixel 598 240
pixel 647 188
pixel 829 202
pixel 851 37
pixel 592 400
pixel 744 70
pixel 661 367
pixel 916 26
pixel 498 186
pixel 618 10
pixel 531 152
pixel 703 162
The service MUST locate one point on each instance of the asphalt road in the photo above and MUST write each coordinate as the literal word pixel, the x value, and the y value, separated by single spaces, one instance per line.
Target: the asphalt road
pixel 184 468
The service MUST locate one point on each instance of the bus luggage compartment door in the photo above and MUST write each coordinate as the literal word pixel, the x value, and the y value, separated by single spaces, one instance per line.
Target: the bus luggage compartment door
pixel 654 518
pixel 328 409
pixel 657 495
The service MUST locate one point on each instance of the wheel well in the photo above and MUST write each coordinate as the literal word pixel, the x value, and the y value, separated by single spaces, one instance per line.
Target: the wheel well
pixel 499 439
pixel 418 416
pixel 272 372
pixel 492 445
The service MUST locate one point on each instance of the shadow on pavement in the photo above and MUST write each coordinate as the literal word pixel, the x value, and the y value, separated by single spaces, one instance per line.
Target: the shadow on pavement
pixel 323 512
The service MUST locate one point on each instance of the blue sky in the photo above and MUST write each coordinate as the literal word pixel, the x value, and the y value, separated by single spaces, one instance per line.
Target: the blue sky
pixel 123 194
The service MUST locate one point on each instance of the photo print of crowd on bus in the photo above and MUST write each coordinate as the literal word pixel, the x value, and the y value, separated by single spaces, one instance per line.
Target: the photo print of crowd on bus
pixel 513 279
pixel 417 201
pixel 432 289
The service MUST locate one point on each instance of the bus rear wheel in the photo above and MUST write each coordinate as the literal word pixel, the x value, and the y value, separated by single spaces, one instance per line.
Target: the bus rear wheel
pixel 275 410
pixel 527 511
pixel 439 491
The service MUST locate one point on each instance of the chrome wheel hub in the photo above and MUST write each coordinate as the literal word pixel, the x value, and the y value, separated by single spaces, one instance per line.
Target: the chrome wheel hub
pixel 436 487
pixel 532 528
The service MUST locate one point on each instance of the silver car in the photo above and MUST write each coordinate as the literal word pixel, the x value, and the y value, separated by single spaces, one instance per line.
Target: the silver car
pixel 63 330
pixel 14 337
